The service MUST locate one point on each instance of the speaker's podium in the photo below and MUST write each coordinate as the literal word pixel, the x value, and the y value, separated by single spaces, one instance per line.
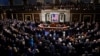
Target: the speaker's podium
pixel 53 26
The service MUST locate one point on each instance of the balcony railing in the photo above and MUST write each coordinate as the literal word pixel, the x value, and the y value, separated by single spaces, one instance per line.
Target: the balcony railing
pixel 62 6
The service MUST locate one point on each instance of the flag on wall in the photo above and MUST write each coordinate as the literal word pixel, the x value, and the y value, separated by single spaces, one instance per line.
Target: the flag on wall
pixel 54 17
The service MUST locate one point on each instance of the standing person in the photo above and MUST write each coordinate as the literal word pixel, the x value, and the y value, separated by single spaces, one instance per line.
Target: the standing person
pixel 64 33
pixel 46 33
pixel 52 49
pixel 31 42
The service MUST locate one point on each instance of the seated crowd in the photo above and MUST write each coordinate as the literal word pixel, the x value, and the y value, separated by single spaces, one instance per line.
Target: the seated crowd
pixel 23 38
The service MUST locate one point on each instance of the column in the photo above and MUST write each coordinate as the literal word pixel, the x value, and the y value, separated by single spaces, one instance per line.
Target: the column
pixel 32 17
pixel 1 16
pixel 4 15
pixel 12 16
pixel 16 16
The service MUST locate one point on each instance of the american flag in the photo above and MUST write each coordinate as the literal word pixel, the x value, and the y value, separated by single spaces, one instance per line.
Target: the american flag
pixel 55 17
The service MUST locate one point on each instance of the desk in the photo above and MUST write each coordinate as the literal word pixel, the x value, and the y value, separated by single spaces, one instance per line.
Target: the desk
pixel 53 27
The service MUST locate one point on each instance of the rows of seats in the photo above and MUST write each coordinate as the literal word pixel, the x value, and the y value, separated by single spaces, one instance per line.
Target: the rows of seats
pixel 25 38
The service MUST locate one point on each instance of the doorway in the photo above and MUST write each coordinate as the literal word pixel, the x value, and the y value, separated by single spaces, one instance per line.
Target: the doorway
pixel 28 17
pixel 36 17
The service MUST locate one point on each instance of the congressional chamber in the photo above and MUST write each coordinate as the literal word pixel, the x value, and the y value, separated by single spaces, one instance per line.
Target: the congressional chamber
pixel 49 27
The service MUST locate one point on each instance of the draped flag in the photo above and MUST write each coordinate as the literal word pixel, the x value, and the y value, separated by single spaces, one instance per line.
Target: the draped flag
pixel 54 17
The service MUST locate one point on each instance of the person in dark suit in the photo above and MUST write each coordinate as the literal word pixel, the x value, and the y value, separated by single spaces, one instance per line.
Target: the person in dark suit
pixel 31 42
pixel 63 50
pixel 52 49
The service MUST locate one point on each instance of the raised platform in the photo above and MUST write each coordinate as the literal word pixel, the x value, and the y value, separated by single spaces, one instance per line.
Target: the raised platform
pixel 53 26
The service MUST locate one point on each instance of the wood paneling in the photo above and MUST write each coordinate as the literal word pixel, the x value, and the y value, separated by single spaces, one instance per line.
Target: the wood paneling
pixel 87 17
pixel 36 17
pixel 20 17
pixel 75 17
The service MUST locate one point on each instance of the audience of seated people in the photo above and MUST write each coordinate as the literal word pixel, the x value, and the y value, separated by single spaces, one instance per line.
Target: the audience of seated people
pixel 23 38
